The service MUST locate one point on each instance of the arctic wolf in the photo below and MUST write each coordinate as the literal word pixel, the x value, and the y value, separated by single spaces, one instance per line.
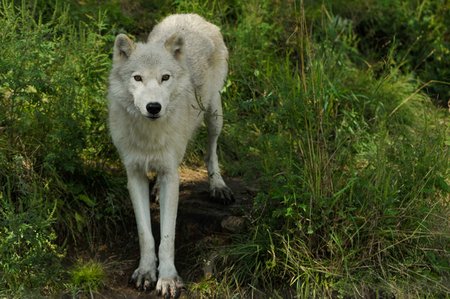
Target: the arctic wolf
pixel 158 94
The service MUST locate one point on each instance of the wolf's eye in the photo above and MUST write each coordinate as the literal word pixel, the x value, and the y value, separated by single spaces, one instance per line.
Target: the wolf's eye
pixel 138 78
pixel 165 77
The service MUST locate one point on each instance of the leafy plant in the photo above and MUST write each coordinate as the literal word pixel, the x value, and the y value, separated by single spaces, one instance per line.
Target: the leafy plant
pixel 53 78
pixel 30 259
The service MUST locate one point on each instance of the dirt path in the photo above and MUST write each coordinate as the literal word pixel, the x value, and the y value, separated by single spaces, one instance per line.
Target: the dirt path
pixel 200 224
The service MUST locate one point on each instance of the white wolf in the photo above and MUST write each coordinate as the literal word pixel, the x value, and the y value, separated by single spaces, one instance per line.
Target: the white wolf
pixel 155 90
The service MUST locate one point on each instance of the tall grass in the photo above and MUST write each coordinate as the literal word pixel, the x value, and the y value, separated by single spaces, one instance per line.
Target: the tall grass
pixel 355 196
pixel 419 28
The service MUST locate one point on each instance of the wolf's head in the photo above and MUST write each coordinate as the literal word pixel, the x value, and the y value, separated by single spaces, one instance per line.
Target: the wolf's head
pixel 152 72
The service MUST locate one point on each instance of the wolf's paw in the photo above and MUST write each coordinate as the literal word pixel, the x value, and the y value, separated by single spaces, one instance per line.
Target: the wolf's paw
pixel 144 280
pixel 222 195
pixel 170 287
pixel 154 195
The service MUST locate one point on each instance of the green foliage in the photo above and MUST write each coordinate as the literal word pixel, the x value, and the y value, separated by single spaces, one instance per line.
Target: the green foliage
pixel 54 141
pixel 134 17
pixel 353 185
pixel 89 276
pixel 53 78
pixel 323 109
pixel 29 259
pixel 54 144
pixel 352 160
pixel 420 29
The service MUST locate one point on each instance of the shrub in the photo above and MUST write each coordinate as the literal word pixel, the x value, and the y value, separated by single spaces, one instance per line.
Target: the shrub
pixel 53 119
pixel 30 260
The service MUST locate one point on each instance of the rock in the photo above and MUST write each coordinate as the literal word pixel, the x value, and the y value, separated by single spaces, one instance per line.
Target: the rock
pixel 233 224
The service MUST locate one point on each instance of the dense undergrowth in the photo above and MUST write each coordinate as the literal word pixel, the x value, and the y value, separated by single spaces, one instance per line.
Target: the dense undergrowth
pixel 328 109
pixel 56 158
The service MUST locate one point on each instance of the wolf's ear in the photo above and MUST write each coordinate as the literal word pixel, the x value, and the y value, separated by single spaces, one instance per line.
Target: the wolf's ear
pixel 123 47
pixel 175 45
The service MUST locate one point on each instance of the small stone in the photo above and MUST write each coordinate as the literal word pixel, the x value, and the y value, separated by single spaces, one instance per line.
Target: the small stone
pixel 233 224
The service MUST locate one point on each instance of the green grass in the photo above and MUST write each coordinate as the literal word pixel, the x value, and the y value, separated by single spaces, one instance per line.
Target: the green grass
pixel 88 276
pixel 355 194
pixel 324 110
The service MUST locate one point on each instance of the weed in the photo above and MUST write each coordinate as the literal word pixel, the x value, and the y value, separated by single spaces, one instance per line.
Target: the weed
pixel 89 276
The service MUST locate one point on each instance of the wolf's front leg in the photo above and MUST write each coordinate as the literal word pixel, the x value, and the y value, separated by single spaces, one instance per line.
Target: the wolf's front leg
pixel 144 277
pixel 169 283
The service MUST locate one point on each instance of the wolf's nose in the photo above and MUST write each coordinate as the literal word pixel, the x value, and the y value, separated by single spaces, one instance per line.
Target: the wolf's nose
pixel 153 108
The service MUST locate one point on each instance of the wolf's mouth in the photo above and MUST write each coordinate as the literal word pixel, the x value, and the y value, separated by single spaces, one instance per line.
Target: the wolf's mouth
pixel 153 117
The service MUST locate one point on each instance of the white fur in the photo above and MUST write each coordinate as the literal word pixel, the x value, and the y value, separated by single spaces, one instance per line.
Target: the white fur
pixel 191 52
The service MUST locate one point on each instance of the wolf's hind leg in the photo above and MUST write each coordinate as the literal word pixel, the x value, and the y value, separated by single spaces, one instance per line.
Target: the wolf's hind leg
pixel 145 276
pixel 218 190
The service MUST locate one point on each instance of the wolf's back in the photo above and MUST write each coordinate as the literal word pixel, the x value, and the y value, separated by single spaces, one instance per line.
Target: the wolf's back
pixel 203 43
